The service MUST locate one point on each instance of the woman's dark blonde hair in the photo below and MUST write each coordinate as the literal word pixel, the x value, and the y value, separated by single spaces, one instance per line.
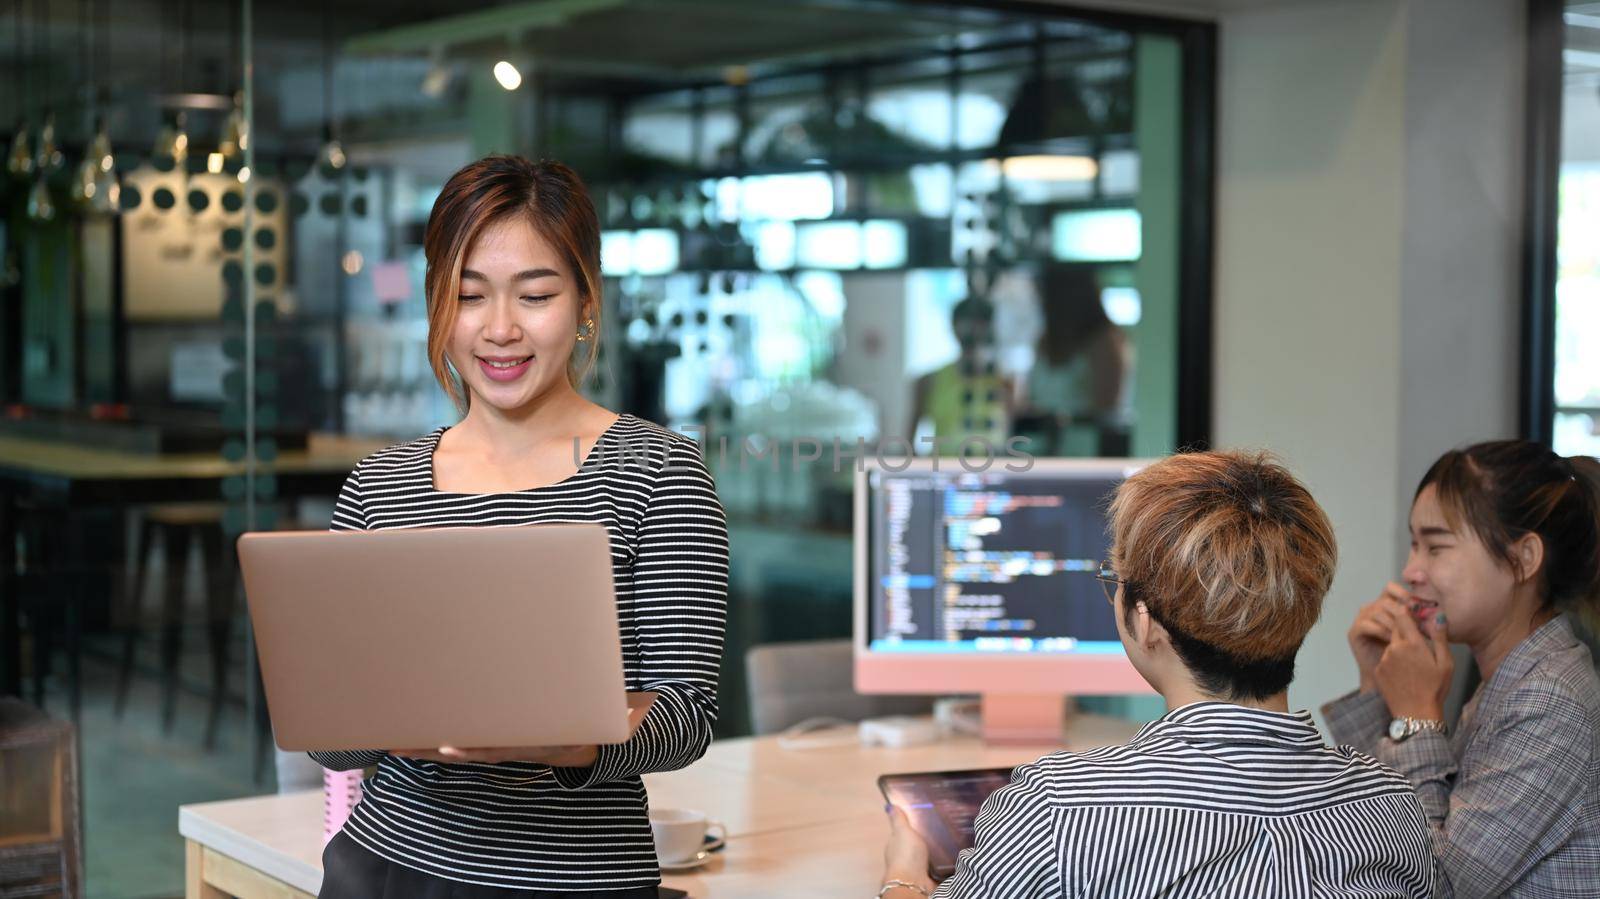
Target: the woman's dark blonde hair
pixel 553 200
pixel 1229 552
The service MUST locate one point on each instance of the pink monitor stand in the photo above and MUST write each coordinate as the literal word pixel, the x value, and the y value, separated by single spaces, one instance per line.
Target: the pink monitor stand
pixel 1016 705
pixel 1026 718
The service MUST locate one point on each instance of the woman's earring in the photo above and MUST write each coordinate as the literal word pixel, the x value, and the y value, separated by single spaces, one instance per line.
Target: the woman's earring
pixel 585 329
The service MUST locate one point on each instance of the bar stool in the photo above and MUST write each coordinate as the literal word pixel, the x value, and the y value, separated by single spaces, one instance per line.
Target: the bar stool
pixel 48 585
pixel 180 527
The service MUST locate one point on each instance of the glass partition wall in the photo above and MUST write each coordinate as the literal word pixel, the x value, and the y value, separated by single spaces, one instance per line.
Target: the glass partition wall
pixel 977 235
pixel 1576 376
pixel 123 461
pixel 830 229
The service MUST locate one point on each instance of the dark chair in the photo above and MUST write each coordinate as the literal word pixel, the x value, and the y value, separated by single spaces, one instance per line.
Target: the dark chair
pixel 791 682
pixel 40 832
pixel 52 569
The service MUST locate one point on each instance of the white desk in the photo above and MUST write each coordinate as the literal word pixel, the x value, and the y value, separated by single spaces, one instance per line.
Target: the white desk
pixel 801 823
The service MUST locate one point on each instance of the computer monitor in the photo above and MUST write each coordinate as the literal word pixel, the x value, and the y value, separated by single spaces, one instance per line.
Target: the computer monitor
pixel 970 581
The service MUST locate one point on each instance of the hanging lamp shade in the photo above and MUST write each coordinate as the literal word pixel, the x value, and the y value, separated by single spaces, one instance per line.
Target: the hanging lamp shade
pixel 41 208
pixel 235 131
pixel 172 144
pixel 48 158
pixel 19 161
pixel 100 149
pixel 331 158
pixel 332 155
pixel 86 181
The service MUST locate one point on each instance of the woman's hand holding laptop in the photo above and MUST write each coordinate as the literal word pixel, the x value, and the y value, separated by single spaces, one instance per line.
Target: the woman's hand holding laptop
pixel 554 756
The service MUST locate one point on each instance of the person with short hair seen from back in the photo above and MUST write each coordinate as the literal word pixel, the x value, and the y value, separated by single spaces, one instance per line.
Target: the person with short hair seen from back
pixel 1505 558
pixel 1219 564
pixel 514 308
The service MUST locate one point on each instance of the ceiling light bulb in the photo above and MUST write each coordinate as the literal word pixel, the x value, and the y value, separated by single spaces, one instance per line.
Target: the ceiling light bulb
pixel 437 79
pixel 84 181
pixel 19 161
pixel 507 75
pixel 40 207
pixel 100 149
pixel 436 82
pixel 49 155
pixel 333 155
pixel 1050 168
pixel 163 145
pixel 235 131
pixel 172 143
pixel 107 195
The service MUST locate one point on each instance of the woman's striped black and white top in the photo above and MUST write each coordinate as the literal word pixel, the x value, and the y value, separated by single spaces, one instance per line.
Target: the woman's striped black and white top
pixel 529 826
pixel 1213 800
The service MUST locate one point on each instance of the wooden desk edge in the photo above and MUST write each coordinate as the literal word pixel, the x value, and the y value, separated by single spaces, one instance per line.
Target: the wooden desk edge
pixel 216 847
pixel 208 874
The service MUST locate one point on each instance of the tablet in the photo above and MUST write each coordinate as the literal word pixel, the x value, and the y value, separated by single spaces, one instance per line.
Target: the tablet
pixel 469 637
pixel 941 806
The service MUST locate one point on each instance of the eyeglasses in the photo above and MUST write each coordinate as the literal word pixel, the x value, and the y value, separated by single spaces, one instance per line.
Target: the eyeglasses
pixel 1109 581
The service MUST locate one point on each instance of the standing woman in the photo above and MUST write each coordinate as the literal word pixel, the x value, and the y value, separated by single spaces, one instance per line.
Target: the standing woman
pixel 513 293
pixel 1505 547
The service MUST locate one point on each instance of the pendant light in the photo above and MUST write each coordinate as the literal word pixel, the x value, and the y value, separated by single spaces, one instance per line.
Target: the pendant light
pixel 330 158
pixel 47 155
pixel 96 181
pixel 171 150
pixel 19 159
pixel 235 129
pixel 41 206
pixel 85 184
pixel 438 77
pixel 172 143
pixel 86 180
pixel 108 193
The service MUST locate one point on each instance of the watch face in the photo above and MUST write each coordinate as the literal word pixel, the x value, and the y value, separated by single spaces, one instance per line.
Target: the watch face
pixel 1397 729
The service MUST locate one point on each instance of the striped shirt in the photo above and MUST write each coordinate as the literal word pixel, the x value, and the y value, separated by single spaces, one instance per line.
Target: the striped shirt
pixel 530 826
pixel 1213 800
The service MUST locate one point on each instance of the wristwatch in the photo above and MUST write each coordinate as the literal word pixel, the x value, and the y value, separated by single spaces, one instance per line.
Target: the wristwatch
pixel 1402 728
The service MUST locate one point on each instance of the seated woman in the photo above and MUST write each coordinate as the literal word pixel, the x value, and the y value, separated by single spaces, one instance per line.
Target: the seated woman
pixel 1504 545
pixel 1219 563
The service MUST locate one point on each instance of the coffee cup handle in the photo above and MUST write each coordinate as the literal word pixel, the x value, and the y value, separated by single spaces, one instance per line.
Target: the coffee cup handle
pixel 717 841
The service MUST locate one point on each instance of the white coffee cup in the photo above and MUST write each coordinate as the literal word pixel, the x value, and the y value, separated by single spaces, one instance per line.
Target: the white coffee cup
pixel 680 834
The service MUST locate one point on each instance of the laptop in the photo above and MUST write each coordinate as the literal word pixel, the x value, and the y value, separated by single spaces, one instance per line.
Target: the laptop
pixel 473 637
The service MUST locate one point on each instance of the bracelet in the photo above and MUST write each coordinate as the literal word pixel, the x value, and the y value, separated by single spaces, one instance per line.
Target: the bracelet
pixel 891 884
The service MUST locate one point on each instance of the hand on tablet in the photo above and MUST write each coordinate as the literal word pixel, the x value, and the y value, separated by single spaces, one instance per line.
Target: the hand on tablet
pixel 906 856
pixel 554 756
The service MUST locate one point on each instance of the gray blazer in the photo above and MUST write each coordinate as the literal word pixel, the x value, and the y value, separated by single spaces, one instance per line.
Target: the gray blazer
pixel 1513 793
